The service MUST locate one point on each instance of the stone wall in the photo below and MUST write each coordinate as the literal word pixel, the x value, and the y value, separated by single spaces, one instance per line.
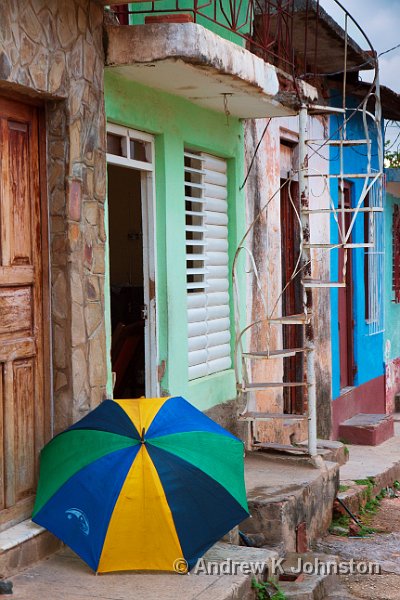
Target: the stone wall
pixel 52 50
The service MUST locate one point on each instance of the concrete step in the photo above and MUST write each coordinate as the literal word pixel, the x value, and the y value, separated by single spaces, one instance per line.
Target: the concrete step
pixel 66 577
pixel 24 544
pixel 232 557
pixel 290 500
pixel 317 585
pixel 367 429
pixel 331 451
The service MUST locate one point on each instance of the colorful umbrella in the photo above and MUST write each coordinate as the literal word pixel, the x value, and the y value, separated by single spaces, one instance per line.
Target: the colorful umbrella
pixel 141 484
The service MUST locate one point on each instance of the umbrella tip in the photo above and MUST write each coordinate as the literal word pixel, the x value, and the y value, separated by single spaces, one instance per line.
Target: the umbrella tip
pixel 142 436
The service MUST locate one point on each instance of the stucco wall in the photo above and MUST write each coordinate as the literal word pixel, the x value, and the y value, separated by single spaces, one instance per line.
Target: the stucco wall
pixel 392 310
pixel 177 123
pixel 52 51
pixel 265 243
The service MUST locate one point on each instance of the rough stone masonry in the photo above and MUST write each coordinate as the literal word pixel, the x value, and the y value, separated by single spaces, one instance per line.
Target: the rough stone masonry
pixel 52 51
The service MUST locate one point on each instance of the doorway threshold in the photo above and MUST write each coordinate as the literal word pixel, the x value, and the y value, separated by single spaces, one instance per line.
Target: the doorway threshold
pixel 23 544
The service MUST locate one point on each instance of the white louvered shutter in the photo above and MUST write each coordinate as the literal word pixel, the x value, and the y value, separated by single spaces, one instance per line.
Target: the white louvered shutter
pixel 207 264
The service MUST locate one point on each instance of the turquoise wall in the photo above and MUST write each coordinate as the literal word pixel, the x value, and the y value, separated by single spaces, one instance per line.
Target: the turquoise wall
pixel 392 310
pixel 368 349
pixel 176 123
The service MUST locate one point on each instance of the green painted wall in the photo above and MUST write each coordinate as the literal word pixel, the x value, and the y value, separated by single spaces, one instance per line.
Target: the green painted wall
pixel 238 17
pixel 177 123
pixel 392 310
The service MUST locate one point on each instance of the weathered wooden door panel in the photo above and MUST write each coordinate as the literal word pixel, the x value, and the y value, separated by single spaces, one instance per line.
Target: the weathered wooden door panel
pixel 22 397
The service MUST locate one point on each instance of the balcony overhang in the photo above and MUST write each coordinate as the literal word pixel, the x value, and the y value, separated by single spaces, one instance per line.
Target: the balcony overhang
pixel 188 60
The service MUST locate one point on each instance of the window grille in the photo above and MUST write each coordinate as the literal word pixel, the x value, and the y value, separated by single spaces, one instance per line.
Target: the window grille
pixel 375 261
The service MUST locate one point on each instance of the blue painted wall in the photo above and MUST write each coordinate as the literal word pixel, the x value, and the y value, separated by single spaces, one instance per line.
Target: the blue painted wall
pixel 368 349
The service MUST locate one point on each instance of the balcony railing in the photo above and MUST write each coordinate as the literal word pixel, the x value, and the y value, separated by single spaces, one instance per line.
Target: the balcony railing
pixel 294 35
pixel 263 26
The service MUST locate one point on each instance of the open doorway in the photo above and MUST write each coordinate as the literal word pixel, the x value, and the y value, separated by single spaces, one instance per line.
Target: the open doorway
pixel 131 263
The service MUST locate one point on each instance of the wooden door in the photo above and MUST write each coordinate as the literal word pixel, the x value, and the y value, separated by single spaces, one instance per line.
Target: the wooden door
pixel 291 299
pixel 346 307
pixel 22 287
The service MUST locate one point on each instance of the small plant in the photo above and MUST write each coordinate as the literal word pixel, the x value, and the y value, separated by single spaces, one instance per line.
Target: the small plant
pixel 343 488
pixel 396 485
pixel 262 592
pixel 372 505
pixel 361 481
pixel 369 482
pixel 346 451
pixel 382 494
pixel 341 521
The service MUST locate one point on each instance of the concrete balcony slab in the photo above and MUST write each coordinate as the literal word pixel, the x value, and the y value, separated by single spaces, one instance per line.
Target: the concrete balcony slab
pixel 188 60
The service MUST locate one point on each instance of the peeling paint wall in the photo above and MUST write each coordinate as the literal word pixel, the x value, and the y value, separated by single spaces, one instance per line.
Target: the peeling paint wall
pixel 392 310
pixel 265 242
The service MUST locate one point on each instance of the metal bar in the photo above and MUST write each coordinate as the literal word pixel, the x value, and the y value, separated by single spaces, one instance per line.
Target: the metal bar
pixel 261 416
pixel 306 272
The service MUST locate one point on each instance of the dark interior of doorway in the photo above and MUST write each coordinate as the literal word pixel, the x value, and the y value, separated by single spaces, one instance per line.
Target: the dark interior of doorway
pixel 126 281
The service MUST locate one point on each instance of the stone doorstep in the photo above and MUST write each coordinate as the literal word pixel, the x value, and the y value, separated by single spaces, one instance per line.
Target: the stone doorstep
pixel 367 429
pixel 24 544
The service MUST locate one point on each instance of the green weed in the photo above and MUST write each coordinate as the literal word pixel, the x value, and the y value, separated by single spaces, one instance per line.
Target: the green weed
pixel 262 591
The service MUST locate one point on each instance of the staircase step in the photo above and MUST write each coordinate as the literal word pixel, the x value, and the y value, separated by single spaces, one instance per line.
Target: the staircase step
pixel 284 353
pixel 316 283
pixel 300 319
pixel 279 447
pixel 266 385
pixel 367 429
pixel 339 142
pixel 343 175
pixel 330 246
pixel 318 109
pixel 264 416
pixel 363 209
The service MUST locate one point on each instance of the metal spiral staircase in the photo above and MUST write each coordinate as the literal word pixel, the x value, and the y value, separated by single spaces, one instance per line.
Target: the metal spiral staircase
pixel 246 354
